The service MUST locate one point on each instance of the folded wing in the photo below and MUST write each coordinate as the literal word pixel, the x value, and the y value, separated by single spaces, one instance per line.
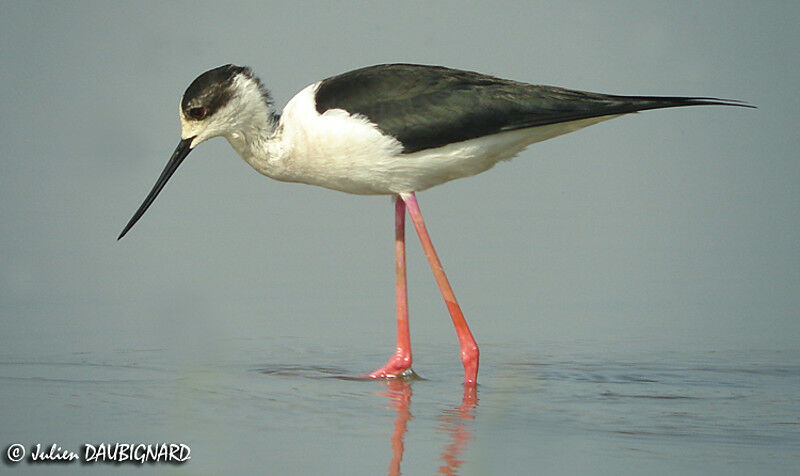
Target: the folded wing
pixel 431 106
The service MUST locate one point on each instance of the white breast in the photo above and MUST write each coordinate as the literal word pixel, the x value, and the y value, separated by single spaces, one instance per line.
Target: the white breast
pixel 334 149
pixel 343 152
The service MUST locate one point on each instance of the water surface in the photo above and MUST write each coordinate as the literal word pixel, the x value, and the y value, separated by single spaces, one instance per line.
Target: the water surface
pixel 287 405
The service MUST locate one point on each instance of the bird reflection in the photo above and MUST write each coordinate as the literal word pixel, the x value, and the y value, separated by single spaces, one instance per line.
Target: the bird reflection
pixel 456 422
pixel 399 392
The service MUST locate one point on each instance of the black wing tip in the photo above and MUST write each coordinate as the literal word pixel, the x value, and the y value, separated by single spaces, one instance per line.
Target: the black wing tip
pixel 701 101
pixel 677 101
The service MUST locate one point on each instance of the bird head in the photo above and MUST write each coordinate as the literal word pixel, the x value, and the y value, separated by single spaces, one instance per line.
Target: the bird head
pixel 219 102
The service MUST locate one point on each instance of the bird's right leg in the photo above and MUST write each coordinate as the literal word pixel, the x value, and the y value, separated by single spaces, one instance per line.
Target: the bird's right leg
pixel 469 348
pixel 400 363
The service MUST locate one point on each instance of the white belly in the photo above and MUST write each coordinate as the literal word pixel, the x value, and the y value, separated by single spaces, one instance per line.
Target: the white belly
pixel 430 167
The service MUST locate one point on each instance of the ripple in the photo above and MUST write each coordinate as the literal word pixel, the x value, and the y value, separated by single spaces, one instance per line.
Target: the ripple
pixel 653 397
pixel 322 372
pixel 78 372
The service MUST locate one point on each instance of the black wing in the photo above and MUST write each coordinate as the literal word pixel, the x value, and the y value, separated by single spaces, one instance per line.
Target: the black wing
pixel 431 106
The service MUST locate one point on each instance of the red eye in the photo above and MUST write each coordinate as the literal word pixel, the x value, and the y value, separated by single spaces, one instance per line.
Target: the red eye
pixel 197 112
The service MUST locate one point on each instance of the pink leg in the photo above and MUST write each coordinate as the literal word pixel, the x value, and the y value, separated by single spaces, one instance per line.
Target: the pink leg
pixel 469 348
pixel 400 362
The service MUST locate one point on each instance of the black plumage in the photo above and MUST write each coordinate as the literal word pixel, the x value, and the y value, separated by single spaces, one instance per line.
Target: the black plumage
pixel 213 89
pixel 430 106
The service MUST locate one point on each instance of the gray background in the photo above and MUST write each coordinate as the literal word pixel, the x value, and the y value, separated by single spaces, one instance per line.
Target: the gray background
pixel 682 224
pixel 677 228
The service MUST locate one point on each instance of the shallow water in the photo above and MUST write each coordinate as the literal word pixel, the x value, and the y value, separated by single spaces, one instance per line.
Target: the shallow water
pixel 286 405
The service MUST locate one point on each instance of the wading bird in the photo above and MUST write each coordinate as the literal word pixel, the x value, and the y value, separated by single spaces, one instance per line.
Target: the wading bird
pixel 391 129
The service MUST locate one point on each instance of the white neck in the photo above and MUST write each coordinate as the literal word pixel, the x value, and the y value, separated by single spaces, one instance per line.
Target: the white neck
pixel 256 142
pixel 254 134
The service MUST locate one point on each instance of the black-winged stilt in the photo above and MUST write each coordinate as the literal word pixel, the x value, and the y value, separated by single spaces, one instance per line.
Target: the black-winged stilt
pixel 392 129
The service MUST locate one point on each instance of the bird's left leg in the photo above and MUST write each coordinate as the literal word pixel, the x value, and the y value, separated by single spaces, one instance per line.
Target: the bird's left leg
pixel 400 363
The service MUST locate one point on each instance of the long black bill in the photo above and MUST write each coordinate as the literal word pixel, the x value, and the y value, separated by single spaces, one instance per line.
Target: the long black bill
pixel 180 153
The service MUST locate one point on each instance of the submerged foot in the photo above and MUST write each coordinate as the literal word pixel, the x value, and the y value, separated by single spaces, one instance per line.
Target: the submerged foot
pixel 407 374
pixel 397 367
